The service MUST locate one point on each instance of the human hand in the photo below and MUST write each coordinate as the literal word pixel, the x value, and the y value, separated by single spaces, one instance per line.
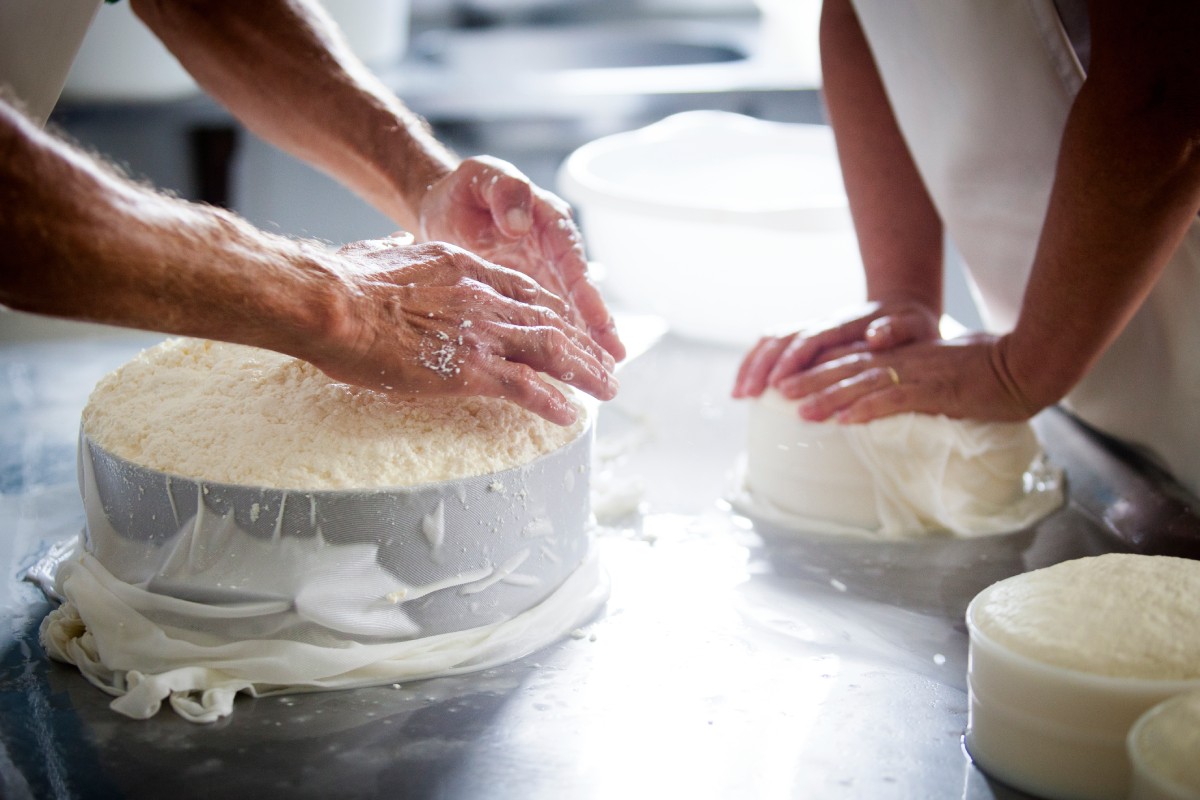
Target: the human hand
pixel 433 319
pixel 965 378
pixel 490 208
pixel 875 327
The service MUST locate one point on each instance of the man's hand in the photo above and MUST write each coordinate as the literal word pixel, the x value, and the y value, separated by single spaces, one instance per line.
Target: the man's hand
pixel 433 319
pixel 490 208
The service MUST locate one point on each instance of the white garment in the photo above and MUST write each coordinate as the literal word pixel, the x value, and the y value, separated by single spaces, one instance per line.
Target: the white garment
pixel 981 91
pixel 38 42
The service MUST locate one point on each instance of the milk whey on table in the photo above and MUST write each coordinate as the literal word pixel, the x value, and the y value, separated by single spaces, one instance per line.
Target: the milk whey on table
pixel 898 477
pixel 253 526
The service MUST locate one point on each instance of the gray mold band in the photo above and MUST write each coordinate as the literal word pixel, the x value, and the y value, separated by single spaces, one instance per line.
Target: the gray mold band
pixel 343 565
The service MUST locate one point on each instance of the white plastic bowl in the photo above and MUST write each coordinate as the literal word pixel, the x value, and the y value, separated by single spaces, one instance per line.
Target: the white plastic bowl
pixel 725 225
pixel 1051 731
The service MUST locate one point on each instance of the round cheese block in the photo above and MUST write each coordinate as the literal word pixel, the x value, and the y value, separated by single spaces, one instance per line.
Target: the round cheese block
pixel 899 477
pixel 242 509
pixel 1063 661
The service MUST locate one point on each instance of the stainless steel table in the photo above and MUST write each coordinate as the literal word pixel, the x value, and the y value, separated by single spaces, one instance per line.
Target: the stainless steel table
pixel 723 666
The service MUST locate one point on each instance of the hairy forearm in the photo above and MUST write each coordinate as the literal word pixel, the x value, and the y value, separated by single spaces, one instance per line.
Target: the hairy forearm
pixel 281 69
pixel 84 243
pixel 899 231
pixel 1126 189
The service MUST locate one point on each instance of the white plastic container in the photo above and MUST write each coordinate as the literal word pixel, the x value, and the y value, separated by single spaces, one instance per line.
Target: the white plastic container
pixel 725 225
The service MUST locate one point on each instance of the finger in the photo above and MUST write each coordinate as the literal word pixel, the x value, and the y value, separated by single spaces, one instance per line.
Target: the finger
pixel 509 198
pixel 490 375
pixel 516 208
pixel 877 405
pixel 606 335
pixel 842 395
pixel 510 283
pixel 900 328
pixel 804 351
pixel 547 349
pixel 528 315
pixel 752 374
pixel 820 378
pixel 561 242
pixel 520 384
pixel 585 298
pixel 564 266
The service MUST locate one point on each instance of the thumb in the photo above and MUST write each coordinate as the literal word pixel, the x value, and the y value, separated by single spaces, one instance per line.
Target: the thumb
pixel 899 328
pixel 510 200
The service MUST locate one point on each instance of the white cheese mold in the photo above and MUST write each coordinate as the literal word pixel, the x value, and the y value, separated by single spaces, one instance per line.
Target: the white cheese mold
pixel 191 591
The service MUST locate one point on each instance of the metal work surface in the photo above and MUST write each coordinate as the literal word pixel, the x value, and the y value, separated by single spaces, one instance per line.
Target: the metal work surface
pixel 722 667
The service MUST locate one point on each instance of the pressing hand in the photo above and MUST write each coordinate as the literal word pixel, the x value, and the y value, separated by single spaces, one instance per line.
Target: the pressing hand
pixel 490 208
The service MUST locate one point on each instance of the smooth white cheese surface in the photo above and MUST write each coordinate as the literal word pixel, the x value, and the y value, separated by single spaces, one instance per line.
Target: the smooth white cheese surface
pixel 233 414
pixel 1118 614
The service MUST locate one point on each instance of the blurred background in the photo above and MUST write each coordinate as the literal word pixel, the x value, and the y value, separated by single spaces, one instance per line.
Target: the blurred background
pixel 529 81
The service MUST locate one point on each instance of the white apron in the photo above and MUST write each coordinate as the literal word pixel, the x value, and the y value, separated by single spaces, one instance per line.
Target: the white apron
pixel 981 90
pixel 38 42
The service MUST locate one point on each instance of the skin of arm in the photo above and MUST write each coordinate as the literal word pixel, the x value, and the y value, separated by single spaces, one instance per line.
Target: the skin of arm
pixel 1126 189
pixel 899 231
pixel 284 70
pixel 83 242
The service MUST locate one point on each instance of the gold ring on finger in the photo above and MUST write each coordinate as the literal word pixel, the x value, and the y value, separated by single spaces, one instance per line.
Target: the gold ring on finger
pixel 895 376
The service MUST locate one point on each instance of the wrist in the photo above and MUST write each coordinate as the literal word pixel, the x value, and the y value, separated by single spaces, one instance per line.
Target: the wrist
pixel 1025 376
pixel 311 306
pixel 289 295
pixel 410 160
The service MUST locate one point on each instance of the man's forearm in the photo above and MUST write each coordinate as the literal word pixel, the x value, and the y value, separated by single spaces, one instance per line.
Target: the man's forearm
pixel 899 231
pixel 281 69
pixel 84 243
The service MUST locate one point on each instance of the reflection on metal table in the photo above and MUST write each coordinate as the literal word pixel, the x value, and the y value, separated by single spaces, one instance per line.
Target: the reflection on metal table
pixel 722 667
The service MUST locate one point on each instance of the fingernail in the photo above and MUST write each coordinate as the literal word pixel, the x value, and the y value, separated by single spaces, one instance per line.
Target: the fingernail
pixel 518 219
pixel 614 385
pixel 809 411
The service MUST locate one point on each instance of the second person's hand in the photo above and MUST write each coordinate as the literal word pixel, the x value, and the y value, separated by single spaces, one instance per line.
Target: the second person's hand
pixel 876 327
pixel 964 378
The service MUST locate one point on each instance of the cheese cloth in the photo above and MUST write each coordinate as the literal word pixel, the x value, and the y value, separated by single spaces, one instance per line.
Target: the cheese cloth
pixel 935 472
pixel 138 645
pixel 899 477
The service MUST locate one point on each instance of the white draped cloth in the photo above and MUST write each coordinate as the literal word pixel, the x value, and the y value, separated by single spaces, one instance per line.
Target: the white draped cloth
pixel 146 648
